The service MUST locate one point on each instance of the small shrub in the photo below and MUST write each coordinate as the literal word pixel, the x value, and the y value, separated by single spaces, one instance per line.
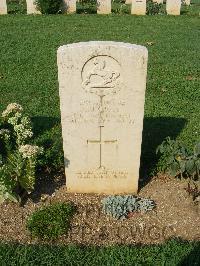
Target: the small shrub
pixel 51 222
pixel 49 6
pixel 153 8
pixel 177 160
pixel 18 159
pixel 120 206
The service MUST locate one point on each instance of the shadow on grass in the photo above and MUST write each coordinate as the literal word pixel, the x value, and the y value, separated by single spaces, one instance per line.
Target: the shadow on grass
pixel 193 258
pixel 41 124
pixel 155 130
pixel 184 12
pixel 50 172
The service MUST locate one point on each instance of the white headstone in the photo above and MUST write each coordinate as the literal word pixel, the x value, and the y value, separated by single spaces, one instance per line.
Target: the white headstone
pixel 173 7
pixel 158 1
pixel 102 92
pixel 32 7
pixel 3 7
pixel 187 2
pixel 103 6
pixel 138 7
pixel 128 2
pixel 69 6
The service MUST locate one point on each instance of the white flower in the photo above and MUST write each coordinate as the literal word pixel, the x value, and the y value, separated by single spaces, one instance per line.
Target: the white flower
pixel 29 151
pixel 22 127
pixel 5 133
pixel 14 119
pixel 12 107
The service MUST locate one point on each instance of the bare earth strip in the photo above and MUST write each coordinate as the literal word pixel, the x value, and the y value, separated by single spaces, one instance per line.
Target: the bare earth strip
pixel 176 215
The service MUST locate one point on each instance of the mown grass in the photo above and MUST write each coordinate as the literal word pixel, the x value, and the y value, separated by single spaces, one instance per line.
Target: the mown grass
pixel 28 70
pixel 28 75
pixel 171 253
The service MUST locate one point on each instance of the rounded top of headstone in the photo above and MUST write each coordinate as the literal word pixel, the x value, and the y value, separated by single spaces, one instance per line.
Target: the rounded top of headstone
pixel 102 44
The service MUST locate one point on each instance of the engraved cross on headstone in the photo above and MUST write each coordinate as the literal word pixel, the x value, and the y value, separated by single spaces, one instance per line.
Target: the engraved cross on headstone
pixel 101 142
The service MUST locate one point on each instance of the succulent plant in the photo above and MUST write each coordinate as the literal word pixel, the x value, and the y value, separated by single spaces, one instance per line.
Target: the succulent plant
pixel 120 206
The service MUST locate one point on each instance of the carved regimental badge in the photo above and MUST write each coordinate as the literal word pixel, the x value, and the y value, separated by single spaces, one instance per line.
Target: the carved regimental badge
pixel 101 76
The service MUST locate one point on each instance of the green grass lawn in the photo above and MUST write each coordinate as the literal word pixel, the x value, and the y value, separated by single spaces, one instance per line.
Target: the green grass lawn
pixel 171 253
pixel 28 75
pixel 28 70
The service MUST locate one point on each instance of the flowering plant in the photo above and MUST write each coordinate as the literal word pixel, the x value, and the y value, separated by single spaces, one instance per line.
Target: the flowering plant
pixel 17 158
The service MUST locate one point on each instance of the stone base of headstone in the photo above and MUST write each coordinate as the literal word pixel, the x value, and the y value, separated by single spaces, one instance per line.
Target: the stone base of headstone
pixel 32 7
pixel 102 93
pixel 3 7
pixel 103 6
pixel 138 7
pixel 173 7
pixel 69 6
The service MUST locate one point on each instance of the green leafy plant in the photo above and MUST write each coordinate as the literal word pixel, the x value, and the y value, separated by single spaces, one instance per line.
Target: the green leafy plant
pixel 49 6
pixel 52 221
pixel 153 8
pixel 120 206
pixel 177 160
pixel 16 6
pixel 17 159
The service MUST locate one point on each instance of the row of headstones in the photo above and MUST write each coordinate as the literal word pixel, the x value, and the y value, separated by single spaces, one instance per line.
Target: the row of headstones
pixel 104 6
pixel 173 7
pixel 32 8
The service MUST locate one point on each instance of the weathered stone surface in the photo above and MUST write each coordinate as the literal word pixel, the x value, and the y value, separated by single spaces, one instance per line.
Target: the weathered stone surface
pixel 69 6
pixel 3 7
pixel 173 7
pixel 138 7
pixel 102 93
pixel 31 7
pixel 128 2
pixel 103 6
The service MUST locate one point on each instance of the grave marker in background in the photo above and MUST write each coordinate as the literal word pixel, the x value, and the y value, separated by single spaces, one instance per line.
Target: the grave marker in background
pixel 173 7
pixel 3 7
pixel 158 1
pixel 102 92
pixel 138 7
pixel 69 6
pixel 103 6
pixel 31 7
pixel 187 2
